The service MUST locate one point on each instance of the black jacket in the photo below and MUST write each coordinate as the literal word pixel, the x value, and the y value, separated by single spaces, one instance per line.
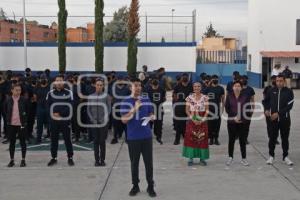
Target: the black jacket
pixel 64 101
pixel 279 101
pixel 23 110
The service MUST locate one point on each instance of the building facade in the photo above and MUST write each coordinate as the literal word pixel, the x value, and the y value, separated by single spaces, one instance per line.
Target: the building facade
pixel 273 38
pixel 220 50
pixel 12 31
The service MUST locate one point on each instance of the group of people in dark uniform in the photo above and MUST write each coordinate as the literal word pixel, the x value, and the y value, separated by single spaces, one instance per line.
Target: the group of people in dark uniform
pixel 86 108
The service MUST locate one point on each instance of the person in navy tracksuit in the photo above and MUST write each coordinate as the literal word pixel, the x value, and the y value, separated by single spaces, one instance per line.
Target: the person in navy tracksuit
pixel 59 103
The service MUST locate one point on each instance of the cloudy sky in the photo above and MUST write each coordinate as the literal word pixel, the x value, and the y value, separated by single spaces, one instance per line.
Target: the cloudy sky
pixel 228 16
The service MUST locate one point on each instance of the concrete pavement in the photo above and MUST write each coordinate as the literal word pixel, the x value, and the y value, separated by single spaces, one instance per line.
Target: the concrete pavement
pixel 174 179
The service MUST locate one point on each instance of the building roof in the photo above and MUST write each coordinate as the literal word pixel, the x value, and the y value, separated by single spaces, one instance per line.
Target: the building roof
pixel 280 54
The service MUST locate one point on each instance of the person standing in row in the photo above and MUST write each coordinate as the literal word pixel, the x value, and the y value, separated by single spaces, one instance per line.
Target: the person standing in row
pixel 216 95
pixel 250 94
pixel 157 96
pixel 236 123
pixel 278 104
pixel 288 74
pixel 40 94
pixel 196 135
pixel 134 110
pixel 120 91
pixel 180 93
pixel 98 111
pixel 59 104
pixel 16 109
pixel 268 118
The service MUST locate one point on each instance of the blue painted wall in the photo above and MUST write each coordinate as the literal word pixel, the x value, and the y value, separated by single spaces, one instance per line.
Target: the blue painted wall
pixel 224 71
pixel 255 79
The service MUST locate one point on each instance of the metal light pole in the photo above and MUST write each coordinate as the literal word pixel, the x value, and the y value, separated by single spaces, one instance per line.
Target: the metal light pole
pixel 173 10
pixel 16 30
pixel 185 34
pixel 25 36
pixel 194 25
pixel 146 20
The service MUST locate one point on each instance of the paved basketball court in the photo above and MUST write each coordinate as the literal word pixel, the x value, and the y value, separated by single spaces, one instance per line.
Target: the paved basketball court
pixel 174 180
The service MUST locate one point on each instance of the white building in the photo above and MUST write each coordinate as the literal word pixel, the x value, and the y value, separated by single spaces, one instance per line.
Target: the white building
pixel 273 37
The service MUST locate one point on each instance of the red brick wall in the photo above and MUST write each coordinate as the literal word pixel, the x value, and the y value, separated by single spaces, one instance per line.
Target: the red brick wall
pixel 36 33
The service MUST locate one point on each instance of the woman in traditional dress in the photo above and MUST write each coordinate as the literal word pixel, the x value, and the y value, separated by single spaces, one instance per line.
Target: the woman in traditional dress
pixel 196 134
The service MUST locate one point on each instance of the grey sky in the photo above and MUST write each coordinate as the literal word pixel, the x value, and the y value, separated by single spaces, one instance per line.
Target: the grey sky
pixel 228 16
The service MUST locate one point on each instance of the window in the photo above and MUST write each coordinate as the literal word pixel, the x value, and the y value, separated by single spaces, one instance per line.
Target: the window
pixel 46 34
pixel 12 30
pixel 298 32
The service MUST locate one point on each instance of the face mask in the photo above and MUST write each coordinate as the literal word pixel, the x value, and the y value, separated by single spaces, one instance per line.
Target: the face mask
pixel 215 82
pixel 185 79
pixel 245 82
pixel 155 83
pixel 14 81
pixel 43 82
pixel 274 83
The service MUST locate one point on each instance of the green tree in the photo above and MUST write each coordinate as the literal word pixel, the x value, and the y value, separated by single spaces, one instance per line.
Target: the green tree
pixel 133 30
pixel 99 47
pixel 211 32
pixel 62 26
pixel 2 14
pixel 116 30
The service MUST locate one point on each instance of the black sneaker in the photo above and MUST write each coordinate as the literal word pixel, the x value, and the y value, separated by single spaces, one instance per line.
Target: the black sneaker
pixel 159 141
pixel 211 142
pixel 97 164
pixel 5 141
pixel 47 137
pixel 247 142
pixel 217 142
pixel 151 191
pixel 134 191
pixel 37 142
pixel 52 162
pixel 114 141
pixel 176 143
pixel 23 163
pixel 11 163
pixel 102 163
pixel 71 162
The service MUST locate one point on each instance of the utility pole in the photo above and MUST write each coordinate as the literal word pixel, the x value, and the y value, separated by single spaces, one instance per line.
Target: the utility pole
pixel 146 19
pixel 185 34
pixel 25 35
pixel 15 29
pixel 173 10
pixel 194 25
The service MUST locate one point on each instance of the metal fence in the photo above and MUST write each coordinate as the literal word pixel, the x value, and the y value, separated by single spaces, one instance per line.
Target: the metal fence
pixel 224 56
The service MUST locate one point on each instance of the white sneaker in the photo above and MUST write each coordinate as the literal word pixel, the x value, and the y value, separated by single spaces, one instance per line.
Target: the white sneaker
pixel 270 161
pixel 245 162
pixel 229 161
pixel 288 161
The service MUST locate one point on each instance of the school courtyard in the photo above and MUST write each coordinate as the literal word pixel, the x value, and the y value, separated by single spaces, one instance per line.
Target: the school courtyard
pixel 174 179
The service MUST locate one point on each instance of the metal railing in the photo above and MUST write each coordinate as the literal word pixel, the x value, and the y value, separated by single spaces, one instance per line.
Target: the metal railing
pixel 223 56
